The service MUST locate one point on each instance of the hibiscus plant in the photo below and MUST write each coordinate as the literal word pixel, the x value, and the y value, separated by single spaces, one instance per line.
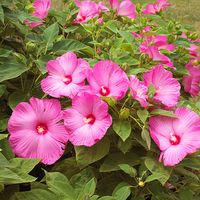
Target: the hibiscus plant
pixel 99 100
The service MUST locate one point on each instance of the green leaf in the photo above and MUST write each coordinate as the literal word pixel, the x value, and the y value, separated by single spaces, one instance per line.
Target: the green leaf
pixel 146 137
pixel 88 190
pixel 158 169
pixel 3 136
pixel 1 14
pixel 2 89
pixel 16 97
pixel 11 69
pixel 50 33
pixel 186 172
pixel 5 148
pixel 23 164
pixel 128 169
pixel 17 171
pixel 182 42
pixel 191 162
pixel 88 155
pixel 82 178
pixel 60 185
pixel 68 167
pixel 129 60
pixel 153 177
pixel 3 124
pixel 66 45
pixel 163 113
pixel 185 194
pixel 1 187
pixel 122 191
pixel 41 63
pixel 113 160
pixel 122 128
pixel 136 71
pixel 34 194
pixel 125 146
pixel 4 53
pixel 143 115
pixel 107 198
pixel 111 25
pixel 127 36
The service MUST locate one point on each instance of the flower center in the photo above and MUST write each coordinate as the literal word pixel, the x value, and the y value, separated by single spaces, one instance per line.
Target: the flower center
pixel 41 129
pixel 174 139
pixel 67 79
pixel 104 91
pixel 90 119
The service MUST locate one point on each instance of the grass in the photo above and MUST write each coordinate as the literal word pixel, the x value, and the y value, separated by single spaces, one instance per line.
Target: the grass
pixel 184 11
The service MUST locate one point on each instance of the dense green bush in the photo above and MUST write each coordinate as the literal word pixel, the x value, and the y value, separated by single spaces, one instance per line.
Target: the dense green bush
pixel 125 163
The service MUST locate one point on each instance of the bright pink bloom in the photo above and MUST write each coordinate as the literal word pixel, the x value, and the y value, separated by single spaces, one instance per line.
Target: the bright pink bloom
pixel 125 8
pixel 108 79
pixel 139 91
pixel 41 9
pixel 152 46
pixel 36 132
pixel 176 137
pixel 167 87
pixel 193 50
pixel 66 76
pixel 156 7
pixel 88 10
pixel 192 81
pixel 88 120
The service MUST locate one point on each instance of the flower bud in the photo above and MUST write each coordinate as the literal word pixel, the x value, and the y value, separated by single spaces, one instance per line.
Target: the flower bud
pixel 109 100
pixel 196 62
pixel 29 8
pixel 124 113
pixel 141 184
pixel 193 36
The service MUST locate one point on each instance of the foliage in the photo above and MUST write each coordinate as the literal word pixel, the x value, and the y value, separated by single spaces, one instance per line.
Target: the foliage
pixel 124 164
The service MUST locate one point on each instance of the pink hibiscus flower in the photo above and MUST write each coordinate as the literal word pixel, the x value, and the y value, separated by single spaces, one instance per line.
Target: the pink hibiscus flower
pixel 125 8
pixel 152 46
pixel 36 131
pixel 88 120
pixel 41 9
pixel 176 137
pixel 194 50
pixel 66 76
pixel 191 82
pixel 108 79
pixel 167 88
pixel 156 7
pixel 139 91
pixel 88 10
